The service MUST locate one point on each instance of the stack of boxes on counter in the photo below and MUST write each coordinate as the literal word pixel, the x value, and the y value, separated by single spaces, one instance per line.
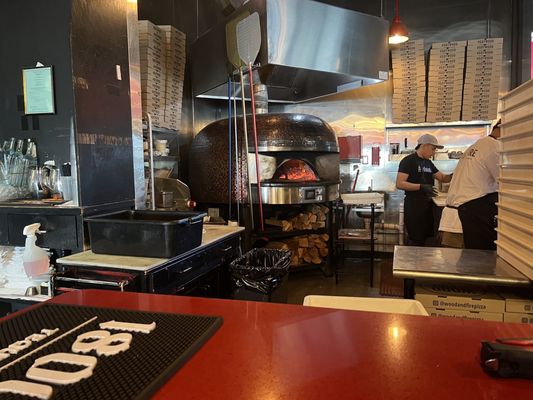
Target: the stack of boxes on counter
pixel 482 79
pixel 463 81
pixel 409 80
pixel 515 202
pixel 518 308
pixel 162 56
pixel 152 71
pixel 445 81
pixel 175 68
pixel 480 303
pixel 461 302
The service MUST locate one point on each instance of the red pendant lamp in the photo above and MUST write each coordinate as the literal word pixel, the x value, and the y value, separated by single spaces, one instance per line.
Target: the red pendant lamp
pixel 397 32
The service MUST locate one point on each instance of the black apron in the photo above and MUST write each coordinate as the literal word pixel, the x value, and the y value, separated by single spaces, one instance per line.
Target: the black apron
pixel 418 218
pixel 478 218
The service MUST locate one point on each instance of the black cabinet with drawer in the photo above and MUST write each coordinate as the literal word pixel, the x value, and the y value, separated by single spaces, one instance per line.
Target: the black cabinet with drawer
pixel 199 272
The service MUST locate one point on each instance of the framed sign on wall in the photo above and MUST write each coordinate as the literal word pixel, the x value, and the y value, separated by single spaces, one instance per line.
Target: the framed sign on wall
pixel 38 85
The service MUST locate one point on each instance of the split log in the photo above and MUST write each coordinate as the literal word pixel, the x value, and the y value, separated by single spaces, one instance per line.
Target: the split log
pixel 277 245
pixel 303 242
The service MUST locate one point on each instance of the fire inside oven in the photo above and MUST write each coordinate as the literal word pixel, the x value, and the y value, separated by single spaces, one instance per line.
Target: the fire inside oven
pixel 294 171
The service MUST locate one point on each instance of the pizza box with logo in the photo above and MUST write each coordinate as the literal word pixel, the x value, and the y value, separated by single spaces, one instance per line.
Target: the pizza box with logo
pixel 484 316
pixel 451 297
pixel 518 302
pixel 523 318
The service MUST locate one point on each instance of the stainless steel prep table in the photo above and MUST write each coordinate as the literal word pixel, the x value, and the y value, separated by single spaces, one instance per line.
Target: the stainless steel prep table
pixel 459 265
pixel 220 244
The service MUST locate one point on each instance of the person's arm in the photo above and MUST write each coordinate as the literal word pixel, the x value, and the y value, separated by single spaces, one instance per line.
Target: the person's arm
pixel 492 163
pixel 442 177
pixel 402 184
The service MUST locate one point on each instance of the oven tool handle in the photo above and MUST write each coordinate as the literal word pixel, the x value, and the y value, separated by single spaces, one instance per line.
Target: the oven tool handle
pixel 257 170
pixel 238 171
pixel 248 32
pixel 245 126
pixel 119 284
pixel 151 156
pixel 230 134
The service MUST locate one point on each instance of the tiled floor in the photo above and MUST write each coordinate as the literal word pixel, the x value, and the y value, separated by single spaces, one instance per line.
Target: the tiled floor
pixel 353 281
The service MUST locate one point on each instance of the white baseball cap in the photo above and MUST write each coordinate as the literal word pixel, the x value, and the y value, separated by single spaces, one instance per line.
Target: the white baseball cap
pixel 429 139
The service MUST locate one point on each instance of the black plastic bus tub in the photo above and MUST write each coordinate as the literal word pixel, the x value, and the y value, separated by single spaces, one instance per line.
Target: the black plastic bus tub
pixel 159 234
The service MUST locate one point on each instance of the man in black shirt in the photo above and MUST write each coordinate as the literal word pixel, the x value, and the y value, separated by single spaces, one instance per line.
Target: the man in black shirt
pixel 416 174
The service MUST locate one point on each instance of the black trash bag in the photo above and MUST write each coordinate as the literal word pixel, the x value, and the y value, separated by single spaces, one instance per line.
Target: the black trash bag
pixel 260 269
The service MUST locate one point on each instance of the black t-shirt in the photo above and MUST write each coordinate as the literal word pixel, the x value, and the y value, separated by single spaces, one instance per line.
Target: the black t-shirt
pixel 419 170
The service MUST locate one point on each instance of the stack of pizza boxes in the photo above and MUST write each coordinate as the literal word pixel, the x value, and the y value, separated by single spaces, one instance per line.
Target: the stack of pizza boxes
pixel 515 197
pixel 175 74
pixel 482 79
pixel 445 81
pixel 153 71
pixel 409 81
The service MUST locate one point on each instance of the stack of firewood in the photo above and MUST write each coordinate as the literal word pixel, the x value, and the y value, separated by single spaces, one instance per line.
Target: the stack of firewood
pixel 306 249
pixel 313 217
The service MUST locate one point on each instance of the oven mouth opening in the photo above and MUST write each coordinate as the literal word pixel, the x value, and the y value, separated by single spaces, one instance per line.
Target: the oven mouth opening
pixel 293 171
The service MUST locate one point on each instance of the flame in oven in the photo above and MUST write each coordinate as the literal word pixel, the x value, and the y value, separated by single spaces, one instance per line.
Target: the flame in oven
pixel 295 170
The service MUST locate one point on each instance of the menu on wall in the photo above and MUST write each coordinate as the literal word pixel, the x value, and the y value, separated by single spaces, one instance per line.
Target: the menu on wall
pixel 38 85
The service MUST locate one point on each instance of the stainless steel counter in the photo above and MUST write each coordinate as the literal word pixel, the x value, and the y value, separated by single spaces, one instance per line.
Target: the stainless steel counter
pixel 465 265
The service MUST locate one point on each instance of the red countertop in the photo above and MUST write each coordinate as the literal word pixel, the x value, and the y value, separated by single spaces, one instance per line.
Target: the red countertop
pixel 272 351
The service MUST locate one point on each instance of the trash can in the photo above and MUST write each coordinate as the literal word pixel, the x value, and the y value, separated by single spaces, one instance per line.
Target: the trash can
pixel 261 275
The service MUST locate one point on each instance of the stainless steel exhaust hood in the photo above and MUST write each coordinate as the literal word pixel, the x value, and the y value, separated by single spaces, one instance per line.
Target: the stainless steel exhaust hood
pixel 308 50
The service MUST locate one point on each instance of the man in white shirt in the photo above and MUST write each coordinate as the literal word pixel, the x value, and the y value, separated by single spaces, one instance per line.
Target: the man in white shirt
pixel 471 202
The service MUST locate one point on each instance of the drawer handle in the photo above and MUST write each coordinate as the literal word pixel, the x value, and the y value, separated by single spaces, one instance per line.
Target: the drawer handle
pixel 186 270
pixel 119 284
pixel 226 249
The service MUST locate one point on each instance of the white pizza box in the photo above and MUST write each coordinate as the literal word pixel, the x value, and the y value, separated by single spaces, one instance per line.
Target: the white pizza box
pixel 145 25
pixel 409 61
pixel 523 93
pixel 478 107
pixel 418 88
pixel 445 97
pixel 408 98
pixel 519 112
pixel 455 44
pixel 481 91
pixel 521 318
pixel 408 119
pixel 464 298
pixel 443 118
pixel 482 316
pixel 404 114
pixel 444 111
pixel 520 301
pixel 480 49
pixel 445 91
pixel 409 116
pixel 383 305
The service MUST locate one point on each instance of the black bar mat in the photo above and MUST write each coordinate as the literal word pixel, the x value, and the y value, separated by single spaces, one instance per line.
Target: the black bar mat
pixel 134 373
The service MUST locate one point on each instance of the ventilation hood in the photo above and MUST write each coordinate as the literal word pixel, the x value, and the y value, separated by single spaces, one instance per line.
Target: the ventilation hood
pixel 308 50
